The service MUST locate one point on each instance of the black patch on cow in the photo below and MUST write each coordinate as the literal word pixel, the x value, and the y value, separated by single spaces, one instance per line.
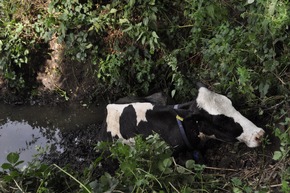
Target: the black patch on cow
pixel 223 127
pixel 156 98
pixel 103 134
pixel 168 128
pixel 128 122
pixel 162 120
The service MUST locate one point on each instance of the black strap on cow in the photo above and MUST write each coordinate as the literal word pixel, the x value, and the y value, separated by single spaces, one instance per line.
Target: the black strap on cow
pixel 181 129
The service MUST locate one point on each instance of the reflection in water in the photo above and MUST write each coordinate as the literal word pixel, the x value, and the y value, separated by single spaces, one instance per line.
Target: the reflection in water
pixel 23 138
pixel 23 128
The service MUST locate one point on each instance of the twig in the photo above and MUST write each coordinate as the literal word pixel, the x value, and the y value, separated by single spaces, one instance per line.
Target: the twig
pixel 173 187
pixel 275 185
pixel 221 169
pixel 279 79
pixel 274 106
pixel 18 186
pixel 185 26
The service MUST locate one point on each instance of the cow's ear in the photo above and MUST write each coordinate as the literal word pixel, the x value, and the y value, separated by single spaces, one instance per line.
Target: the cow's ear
pixel 193 108
pixel 200 85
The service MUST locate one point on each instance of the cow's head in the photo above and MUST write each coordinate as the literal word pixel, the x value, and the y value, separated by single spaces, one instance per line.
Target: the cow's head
pixel 221 120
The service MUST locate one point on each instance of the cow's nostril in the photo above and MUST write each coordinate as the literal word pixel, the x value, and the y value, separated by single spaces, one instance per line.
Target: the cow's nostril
pixel 259 136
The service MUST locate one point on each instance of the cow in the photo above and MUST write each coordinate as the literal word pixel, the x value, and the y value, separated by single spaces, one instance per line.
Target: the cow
pixel 181 125
pixel 158 98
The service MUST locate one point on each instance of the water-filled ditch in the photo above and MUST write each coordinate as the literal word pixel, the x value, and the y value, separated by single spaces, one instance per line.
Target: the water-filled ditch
pixel 25 129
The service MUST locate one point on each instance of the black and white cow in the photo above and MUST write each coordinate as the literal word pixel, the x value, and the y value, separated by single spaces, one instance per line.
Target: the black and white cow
pixel 128 120
pixel 210 114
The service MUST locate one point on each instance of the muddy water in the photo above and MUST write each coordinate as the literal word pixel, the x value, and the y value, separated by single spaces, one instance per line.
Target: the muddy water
pixel 24 129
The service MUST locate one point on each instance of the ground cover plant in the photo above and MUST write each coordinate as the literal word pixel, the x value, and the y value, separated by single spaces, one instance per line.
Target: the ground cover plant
pixel 146 167
pixel 136 47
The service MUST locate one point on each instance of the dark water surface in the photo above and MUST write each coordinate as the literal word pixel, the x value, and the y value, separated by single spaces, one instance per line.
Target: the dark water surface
pixel 25 128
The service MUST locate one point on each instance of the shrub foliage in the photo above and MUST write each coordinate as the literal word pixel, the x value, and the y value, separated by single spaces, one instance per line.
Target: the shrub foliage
pixel 238 47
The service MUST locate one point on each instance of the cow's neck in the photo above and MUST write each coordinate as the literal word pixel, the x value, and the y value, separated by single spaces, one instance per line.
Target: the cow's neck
pixel 182 131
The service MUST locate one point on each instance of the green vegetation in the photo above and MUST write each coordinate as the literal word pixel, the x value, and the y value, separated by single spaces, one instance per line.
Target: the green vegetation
pixel 148 166
pixel 240 48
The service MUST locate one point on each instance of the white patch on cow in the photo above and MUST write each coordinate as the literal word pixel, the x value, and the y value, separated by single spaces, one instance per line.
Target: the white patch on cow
pixel 141 109
pixel 114 112
pixel 216 104
pixel 213 103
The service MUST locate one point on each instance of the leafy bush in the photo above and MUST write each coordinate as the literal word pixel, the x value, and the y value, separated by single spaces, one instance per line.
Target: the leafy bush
pixel 21 48
pixel 238 47
pixel 141 45
pixel 148 166
pixel 35 177
pixel 282 155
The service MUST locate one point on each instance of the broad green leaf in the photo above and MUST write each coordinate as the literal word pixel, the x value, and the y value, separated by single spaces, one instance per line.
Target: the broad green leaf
pixel 124 20
pixel 154 34
pixel 173 93
pixel 7 178
pixel 167 162
pixel 180 169
pixel 190 164
pixel 18 163
pixel 277 155
pixel 6 166
pixel 13 157
pixel 145 21
pixel 132 3
pixel 237 190
pixel 236 181
pixel 113 10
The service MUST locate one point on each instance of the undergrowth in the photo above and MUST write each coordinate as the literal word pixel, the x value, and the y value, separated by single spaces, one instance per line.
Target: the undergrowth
pixel 146 166
pixel 134 47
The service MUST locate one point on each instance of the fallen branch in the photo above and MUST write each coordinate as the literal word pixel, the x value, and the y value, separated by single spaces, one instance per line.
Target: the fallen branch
pixel 221 169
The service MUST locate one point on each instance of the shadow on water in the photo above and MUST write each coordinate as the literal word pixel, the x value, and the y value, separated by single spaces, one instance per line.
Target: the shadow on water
pixel 25 128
